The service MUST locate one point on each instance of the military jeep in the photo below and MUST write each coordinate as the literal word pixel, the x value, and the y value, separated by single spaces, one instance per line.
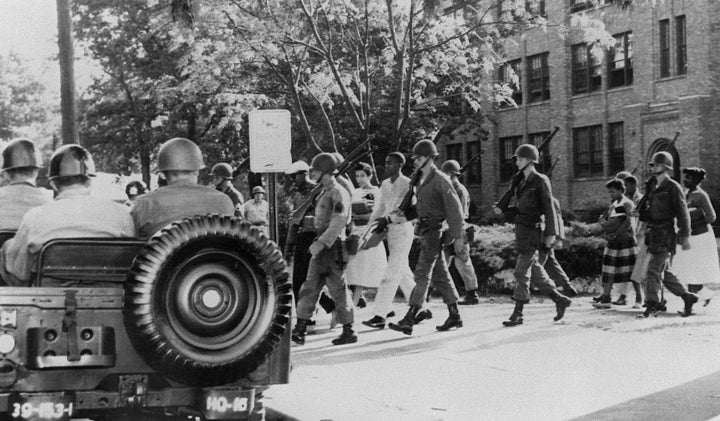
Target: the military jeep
pixel 192 323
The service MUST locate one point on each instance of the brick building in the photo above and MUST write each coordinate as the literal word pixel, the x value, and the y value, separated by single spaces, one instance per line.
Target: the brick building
pixel 614 110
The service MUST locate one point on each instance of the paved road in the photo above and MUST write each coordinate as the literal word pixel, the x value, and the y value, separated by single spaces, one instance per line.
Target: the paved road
pixel 595 364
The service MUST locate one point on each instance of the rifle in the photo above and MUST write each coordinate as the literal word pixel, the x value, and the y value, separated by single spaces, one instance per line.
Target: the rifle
pixel 470 162
pixel 504 203
pixel 549 172
pixel 355 156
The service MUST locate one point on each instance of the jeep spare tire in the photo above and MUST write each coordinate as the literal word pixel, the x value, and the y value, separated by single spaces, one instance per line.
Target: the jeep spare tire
pixel 207 300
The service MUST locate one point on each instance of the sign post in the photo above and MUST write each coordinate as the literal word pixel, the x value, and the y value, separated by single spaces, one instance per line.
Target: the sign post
pixel 270 144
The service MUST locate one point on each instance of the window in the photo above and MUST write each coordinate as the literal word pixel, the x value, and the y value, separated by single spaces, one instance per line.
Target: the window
pixel 507 163
pixel 586 75
pixel 545 157
pixel 620 65
pixel 511 74
pixel 454 151
pixel 681 41
pixel 588 153
pixel 616 146
pixel 577 5
pixel 473 175
pixel 535 7
pixel 538 78
pixel 664 48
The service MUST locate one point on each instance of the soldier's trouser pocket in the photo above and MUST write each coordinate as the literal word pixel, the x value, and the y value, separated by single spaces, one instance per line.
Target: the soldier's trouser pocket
pixel 660 240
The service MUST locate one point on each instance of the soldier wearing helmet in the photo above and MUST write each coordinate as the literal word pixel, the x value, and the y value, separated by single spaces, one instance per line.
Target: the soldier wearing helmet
pixel 74 213
pixel 662 208
pixel 222 180
pixel 536 227
pixel 19 193
pixel 179 160
pixel 463 265
pixel 437 202
pixel 332 215
pixel 301 233
pixel 257 211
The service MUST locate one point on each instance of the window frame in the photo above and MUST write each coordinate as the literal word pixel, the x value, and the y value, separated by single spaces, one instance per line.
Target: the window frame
pixel 473 175
pixel 539 77
pixel 664 65
pixel 507 163
pixel 624 73
pixel 594 166
pixel 616 134
pixel 681 45
pixel 517 95
pixel 592 82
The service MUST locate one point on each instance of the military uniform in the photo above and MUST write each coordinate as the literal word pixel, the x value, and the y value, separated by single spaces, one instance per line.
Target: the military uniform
pixel 234 195
pixel 17 198
pixel 534 199
pixel 300 237
pixel 464 266
pixel 665 207
pixel 73 214
pixel 332 214
pixel 437 201
pixel 184 199
pixel 547 259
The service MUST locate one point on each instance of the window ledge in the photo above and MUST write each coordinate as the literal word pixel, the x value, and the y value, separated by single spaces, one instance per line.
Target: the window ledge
pixel 591 178
pixel 620 88
pixel 535 104
pixel 586 95
pixel 671 78
pixel 505 109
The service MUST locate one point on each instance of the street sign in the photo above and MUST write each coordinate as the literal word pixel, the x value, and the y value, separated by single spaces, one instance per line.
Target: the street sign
pixel 269 141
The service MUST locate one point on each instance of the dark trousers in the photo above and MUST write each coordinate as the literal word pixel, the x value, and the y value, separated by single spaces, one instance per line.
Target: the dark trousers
pixel 301 263
pixel 431 256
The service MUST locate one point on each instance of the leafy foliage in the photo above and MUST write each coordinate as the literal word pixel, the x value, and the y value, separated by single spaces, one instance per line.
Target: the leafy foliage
pixel 21 97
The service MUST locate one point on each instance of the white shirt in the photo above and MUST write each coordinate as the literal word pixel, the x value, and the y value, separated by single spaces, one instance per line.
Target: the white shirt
pixel 391 195
pixel 256 213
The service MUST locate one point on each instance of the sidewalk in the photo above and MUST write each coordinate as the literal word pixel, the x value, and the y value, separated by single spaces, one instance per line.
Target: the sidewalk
pixel 591 361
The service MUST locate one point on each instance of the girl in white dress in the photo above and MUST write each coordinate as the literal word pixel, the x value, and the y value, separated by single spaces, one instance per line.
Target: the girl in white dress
pixel 699 266
pixel 366 268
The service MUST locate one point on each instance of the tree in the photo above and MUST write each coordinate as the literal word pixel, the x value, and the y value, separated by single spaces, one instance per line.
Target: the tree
pixel 21 97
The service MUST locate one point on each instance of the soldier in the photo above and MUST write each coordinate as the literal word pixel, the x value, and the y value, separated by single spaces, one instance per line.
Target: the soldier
pixel 301 234
pixel 437 202
pixel 534 201
pixel 399 238
pixel 332 215
pixel 222 180
pixel 74 213
pixel 464 267
pixel 661 208
pixel 19 194
pixel 256 211
pixel 179 160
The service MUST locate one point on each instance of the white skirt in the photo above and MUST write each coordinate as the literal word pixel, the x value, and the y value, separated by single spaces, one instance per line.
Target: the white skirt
pixel 700 264
pixel 366 268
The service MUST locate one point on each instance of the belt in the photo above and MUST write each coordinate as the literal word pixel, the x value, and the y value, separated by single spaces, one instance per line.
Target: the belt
pixel 665 223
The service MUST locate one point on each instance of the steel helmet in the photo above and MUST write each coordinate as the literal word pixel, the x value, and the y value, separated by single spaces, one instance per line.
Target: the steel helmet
pixel 528 151
pixel 19 153
pixel 324 162
pixel 451 167
pixel 425 147
pixel 622 175
pixel 663 158
pixel 180 154
pixel 339 159
pixel 223 170
pixel 258 189
pixel 70 160
pixel 297 167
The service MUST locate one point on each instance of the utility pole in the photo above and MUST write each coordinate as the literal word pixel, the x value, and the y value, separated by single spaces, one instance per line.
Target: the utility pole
pixel 68 106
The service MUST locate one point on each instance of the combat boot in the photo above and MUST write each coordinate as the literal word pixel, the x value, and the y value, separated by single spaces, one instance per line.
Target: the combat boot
pixel 652 308
pixel 405 325
pixel 376 322
pixel 422 315
pixel 516 318
pixel 347 336
pixel 471 298
pixel 689 298
pixel 561 303
pixel 569 291
pixel 300 330
pixel 453 319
